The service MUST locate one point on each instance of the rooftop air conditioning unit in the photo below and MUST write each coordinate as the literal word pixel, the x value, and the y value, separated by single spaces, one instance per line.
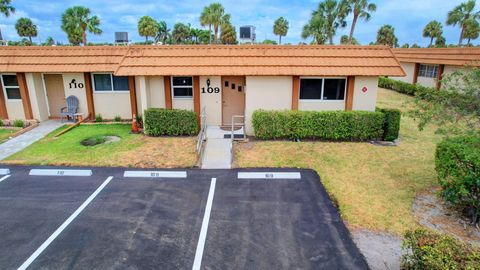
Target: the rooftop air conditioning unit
pixel 121 38
pixel 247 33
pixel 2 42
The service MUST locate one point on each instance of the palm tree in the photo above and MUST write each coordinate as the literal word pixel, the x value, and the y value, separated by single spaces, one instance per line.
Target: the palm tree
pixel 344 40
pixel 333 14
pixel 441 42
pixel 433 30
pixel 77 21
pixel 26 28
pixel 228 35
pixel 163 33
pixel 386 36
pixel 461 14
pixel 280 28
pixel 360 9
pixel 472 30
pixel 206 19
pixel 316 29
pixel 214 15
pixel 49 41
pixel 181 33
pixel 147 27
pixel 6 8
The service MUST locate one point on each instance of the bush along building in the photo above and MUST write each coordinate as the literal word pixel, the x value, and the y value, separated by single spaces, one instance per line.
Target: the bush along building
pixel 221 81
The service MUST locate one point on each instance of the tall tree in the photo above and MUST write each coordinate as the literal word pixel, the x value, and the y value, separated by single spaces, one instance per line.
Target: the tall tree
pixel 26 28
pixel 206 19
pixel 472 30
pixel 214 16
pixel 386 36
pixel 315 28
pixel 6 7
pixel 460 16
pixel 441 42
pixel 147 27
pixel 228 35
pixel 163 33
pixel 360 9
pixel 334 17
pixel 77 20
pixel 433 30
pixel 345 40
pixel 280 28
pixel 49 41
pixel 181 33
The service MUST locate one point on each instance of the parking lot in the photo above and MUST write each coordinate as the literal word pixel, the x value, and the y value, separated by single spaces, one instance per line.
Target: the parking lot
pixel 53 218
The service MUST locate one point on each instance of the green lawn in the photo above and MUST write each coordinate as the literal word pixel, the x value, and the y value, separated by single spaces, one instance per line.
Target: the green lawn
pixel 374 186
pixel 131 150
pixel 5 133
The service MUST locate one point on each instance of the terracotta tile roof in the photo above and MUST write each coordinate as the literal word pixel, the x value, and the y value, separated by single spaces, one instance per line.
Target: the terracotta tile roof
pixel 260 60
pixel 446 56
pixel 60 58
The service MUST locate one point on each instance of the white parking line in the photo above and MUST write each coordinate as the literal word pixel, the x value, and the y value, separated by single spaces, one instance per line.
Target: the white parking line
pixel 197 263
pixel 156 174
pixel 4 171
pixel 3 178
pixel 64 225
pixel 59 172
pixel 269 175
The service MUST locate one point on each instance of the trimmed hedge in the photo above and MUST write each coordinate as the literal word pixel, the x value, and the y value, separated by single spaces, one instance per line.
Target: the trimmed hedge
pixel 401 87
pixel 429 250
pixel 158 122
pixel 391 125
pixel 329 125
pixel 457 162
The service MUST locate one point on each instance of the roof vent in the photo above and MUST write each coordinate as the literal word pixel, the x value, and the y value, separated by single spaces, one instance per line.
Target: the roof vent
pixel 121 38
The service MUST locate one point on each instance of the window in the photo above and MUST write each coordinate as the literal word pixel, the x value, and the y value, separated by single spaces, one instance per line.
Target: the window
pixel 108 82
pixel 182 87
pixel 322 89
pixel 10 86
pixel 428 71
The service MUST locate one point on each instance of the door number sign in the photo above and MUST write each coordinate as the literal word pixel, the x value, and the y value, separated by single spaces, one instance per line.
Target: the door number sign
pixel 210 89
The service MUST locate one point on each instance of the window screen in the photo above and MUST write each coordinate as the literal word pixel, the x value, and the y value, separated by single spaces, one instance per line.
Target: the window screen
pixel 428 71
pixel 120 83
pixel 310 88
pixel 182 87
pixel 10 84
pixel 334 89
pixel 102 82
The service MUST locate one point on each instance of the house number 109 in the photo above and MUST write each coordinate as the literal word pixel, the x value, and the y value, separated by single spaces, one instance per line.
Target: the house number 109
pixel 210 90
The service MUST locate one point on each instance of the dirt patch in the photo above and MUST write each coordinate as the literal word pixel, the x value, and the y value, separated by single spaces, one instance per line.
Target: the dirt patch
pixel 381 250
pixel 433 213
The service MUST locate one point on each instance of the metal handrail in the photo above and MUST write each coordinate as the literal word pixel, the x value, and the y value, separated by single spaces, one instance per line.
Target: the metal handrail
pixel 234 124
pixel 201 134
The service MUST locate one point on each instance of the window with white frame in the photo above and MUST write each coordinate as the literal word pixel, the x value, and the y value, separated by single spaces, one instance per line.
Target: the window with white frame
pixel 323 89
pixel 106 82
pixel 11 87
pixel 182 87
pixel 429 71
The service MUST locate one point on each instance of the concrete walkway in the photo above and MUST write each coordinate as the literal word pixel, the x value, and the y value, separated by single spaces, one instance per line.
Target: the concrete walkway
pixel 218 150
pixel 19 143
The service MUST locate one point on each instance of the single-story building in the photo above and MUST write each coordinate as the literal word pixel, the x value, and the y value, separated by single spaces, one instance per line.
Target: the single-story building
pixel 427 66
pixel 220 80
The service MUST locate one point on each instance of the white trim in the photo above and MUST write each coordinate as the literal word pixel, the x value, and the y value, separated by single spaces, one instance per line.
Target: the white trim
pixel 64 225
pixel 322 90
pixel 59 172
pixel 183 86
pixel 197 263
pixel 111 81
pixel 269 175
pixel 5 88
pixel 156 174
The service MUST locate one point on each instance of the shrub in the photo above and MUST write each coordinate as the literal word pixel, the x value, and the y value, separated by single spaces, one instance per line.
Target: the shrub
pixel 1 123
pixel 18 123
pixel 391 124
pixel 98 118
pixel 429 250
pixel 457 162
pixel 331 125
pixel 401 87
pixel 139 120
pixel 117 118
pixel 159 122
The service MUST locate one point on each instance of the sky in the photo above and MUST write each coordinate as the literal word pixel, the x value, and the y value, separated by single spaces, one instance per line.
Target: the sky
pixel 408 17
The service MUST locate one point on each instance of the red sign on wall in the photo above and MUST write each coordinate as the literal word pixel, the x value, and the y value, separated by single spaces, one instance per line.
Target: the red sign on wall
pixel 364 89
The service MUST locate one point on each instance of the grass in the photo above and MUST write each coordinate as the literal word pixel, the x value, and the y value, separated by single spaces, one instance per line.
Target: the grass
pixel 132 150
pixel 374 186
pixel 5 133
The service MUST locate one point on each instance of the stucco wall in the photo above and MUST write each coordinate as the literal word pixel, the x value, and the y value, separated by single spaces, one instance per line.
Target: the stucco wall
pixel 110 105
pixel 212 102
pixel 314 105
pixel 77 91
pixel 15 109
pixel 142 84
pixel 409 69
pixel 365 101
pixel 37 96
pixel 427 82
pixel 156 92
pixel 268 93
